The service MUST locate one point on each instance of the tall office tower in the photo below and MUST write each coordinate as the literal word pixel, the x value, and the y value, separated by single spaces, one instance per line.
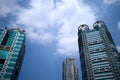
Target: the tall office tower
pixel 70 71
pixel 12 50
pixel 98 54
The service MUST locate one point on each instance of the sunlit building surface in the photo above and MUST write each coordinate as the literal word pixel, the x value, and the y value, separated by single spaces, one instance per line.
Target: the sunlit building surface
pixel 70 71
pixel 12 50
pixel 98 54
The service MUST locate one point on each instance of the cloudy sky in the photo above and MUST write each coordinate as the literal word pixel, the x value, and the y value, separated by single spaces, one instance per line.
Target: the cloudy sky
pixel 51 30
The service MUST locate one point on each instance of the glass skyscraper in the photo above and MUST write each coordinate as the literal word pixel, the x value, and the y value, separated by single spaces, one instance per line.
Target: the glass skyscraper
pixel 70 71
pixel 98 54
pixel 12 50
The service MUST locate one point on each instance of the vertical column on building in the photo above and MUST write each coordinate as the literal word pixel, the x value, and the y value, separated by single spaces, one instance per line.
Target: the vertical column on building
pixel 86 66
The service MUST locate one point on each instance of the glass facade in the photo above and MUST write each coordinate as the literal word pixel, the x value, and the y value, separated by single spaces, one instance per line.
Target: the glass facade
pixel 98 54
pixel 70 71
pixel 12 50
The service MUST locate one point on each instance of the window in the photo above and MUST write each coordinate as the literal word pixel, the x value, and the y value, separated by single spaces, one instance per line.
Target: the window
pixel 13 59
pixel 21 35
pixel 17 49
pixel 15 55
pixel 20 39
pixel 2 61
pixel 8 76
pixel 11 64
pixel 19 43
pixel 10 70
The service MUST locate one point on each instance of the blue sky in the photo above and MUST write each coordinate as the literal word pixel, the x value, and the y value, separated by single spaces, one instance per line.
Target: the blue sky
pixel 51 30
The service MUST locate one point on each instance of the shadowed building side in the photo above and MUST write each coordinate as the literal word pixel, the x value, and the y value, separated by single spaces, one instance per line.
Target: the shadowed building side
pixel 70 71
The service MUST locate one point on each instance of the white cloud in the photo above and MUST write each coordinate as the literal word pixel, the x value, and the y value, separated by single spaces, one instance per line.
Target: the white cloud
pixel 37 16
pixel 118 24
pixel 7 7
pixel 71 14
pixel 118 48
pixel 67 40
pixel 46 21
pixel 65 16
pixel 39 37
pixel 37 21
pixel 109 2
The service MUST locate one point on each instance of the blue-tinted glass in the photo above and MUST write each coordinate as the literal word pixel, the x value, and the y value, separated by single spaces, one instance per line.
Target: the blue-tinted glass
pixel 11 64
pixel 1 65
pixel 101 63
pixel 102 74
pixel 10 70
pixel 20 39
pixel 93 36
pixel 17 46
pixel 16 49
pixel 7 76
pixel 19 43
pixel 15 55
pixel 96 55
pixel 3 54
pixel 22 35
pixel 1 32
pixel 13 59
pixel 99 66
pixel 10 38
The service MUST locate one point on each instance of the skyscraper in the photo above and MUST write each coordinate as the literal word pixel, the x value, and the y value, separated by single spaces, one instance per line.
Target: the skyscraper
pixel 70 71
pixel 98 54
pixel 12 50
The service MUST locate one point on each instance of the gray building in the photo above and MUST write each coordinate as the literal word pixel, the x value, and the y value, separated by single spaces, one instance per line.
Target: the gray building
pixel 70 71
pixel 12 50
pixel 98 54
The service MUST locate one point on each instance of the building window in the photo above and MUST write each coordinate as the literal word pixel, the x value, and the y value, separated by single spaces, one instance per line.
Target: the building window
pixel 7 76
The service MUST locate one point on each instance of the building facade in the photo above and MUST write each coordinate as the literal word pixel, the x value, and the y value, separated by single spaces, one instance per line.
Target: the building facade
pixel 98 54
pixel 70 71
pixel 12 50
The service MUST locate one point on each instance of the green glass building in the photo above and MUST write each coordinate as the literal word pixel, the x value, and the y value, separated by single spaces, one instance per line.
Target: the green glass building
pixel 98 54
pixel 70 71
pixel 12 50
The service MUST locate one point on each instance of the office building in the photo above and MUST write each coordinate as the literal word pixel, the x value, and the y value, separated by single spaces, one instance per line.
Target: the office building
pixel 12 50
pixel 98 54
pixel 70 71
